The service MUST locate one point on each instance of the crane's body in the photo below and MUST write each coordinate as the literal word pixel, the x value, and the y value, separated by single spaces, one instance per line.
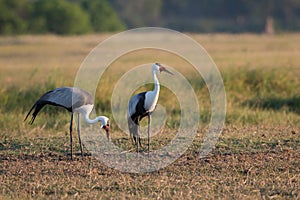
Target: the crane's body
pixel 142 105
pixel 75 100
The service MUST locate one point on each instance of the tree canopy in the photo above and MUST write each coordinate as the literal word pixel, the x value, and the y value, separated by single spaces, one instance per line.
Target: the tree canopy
pixel 57 16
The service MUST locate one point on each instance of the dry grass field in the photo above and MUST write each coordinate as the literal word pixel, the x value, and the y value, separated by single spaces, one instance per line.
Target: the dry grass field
pixel 256 157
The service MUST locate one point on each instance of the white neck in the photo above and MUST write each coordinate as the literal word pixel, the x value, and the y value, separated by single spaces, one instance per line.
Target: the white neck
pixel 152 96
pixel 88 120
pixel 85 111
pixel 156 83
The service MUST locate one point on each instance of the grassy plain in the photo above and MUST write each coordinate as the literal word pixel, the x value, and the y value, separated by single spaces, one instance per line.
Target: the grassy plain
pixel 257 155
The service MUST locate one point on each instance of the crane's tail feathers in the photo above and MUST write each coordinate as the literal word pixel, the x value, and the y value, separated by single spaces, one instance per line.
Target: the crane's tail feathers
pixel 32 120
pixel 30 111
pixel 133 130
pixel 33 114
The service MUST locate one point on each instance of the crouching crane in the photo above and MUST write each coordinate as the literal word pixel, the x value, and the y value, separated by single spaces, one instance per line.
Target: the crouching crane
pixel 142 105
pixel 75 100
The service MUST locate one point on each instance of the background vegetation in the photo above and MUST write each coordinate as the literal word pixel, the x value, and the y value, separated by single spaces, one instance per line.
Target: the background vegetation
pixel 86 16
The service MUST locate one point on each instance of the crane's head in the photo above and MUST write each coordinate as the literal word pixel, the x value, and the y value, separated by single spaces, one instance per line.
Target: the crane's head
pixel 159 68
pixel 104 123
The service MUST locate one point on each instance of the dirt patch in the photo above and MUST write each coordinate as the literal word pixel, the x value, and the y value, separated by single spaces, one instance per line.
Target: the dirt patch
pixel 232 175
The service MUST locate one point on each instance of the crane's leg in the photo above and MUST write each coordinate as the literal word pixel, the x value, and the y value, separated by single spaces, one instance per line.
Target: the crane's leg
pixel 131 130
pixel 71 145
pixel 132 139
pixel 137 137
pixel 149 134
pixel 78 130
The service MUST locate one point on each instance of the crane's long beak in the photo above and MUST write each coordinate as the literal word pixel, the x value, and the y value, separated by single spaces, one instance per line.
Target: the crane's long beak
pixel 107 129
pixel 163 69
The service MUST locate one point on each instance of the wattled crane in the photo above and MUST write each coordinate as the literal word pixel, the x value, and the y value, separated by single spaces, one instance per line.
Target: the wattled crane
pixel 142 105
pixel 75 100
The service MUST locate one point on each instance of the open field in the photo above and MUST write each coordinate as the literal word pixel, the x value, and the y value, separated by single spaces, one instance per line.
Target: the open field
pixel 257 155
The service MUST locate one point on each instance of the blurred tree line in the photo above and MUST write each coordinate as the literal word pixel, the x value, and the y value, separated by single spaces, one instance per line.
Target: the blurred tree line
pixel 86 16
pixel 212 15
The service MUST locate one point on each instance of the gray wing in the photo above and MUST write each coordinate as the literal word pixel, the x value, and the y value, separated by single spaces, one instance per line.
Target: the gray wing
pixel 67 97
